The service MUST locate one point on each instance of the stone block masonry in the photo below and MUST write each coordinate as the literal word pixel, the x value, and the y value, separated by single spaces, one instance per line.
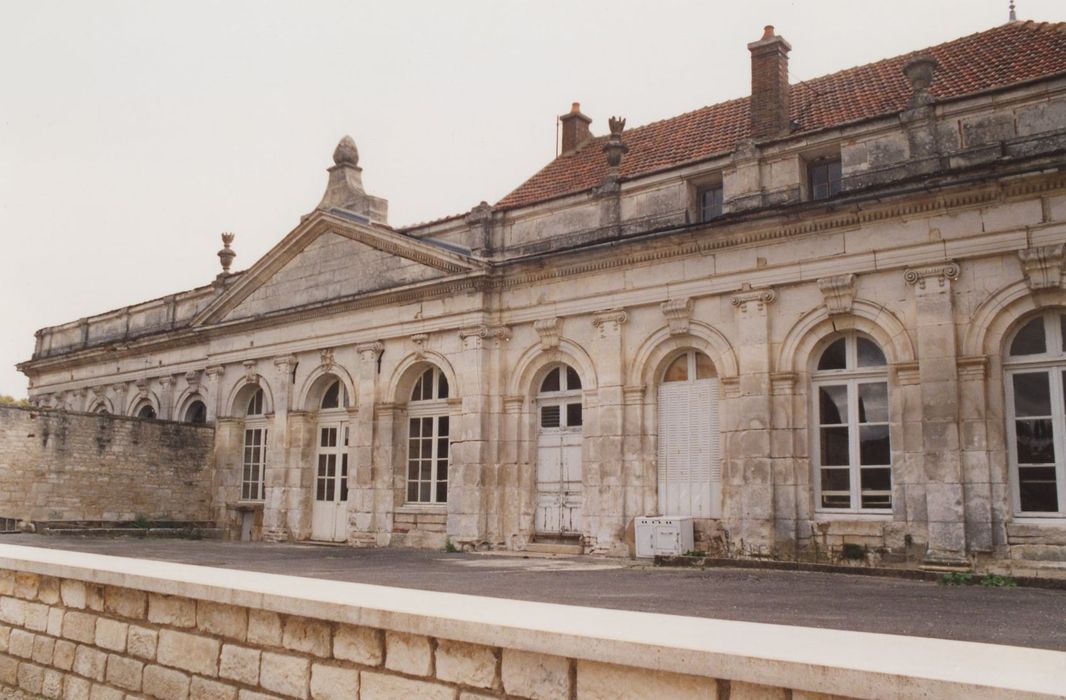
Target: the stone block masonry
pixel 64 466
pixel 76 625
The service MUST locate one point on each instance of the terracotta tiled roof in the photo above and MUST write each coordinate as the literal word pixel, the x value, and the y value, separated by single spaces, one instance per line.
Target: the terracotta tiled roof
pixel 1010 53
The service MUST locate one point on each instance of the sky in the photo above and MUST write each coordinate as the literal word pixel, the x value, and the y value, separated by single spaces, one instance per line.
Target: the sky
pixel 133 133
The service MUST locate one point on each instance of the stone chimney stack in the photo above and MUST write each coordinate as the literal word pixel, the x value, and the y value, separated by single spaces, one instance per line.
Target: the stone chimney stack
pixel 575 129
pixel 769 85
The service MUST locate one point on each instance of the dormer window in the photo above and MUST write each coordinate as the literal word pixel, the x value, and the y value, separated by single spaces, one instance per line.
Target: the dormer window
pixel 709 200
pixel 823 178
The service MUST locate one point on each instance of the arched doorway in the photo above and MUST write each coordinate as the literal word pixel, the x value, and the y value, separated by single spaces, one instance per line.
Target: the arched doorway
pixel 559 427
pixel 329 511
pixel 690 454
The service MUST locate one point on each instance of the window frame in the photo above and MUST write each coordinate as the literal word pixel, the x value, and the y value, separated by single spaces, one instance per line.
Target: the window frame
pixel 564 397
pixel 824 161
pixel 851 377
pixel 254 490
pixel 434 408
pixel 1051 363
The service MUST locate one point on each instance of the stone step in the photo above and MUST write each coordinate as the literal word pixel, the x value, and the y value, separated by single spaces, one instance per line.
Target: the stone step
pixel 553 548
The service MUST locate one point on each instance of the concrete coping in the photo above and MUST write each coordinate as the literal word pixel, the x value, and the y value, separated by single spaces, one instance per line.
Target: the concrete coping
pixel 856 664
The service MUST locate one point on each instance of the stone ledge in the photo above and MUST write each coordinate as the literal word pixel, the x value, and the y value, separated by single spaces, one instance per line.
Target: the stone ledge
pixel 855 664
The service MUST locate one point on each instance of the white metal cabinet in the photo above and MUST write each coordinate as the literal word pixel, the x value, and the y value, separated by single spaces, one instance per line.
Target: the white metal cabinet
pixel 663 535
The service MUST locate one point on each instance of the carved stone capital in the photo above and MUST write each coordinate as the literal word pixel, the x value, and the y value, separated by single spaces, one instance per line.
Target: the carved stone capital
pixel 943 273
pixel 633 393
pixel 120 388
pixel 678 313
pixel 548 329
pixel 214 371
pixel 99 391
pixel 513 403
pixel 285 364
pixel 731 387
pixel 474 336
pixel 838 293
pixel 782 383
pixel 972 368
pixel 1042 266
pixel 906 373
pixel 609 322
pixel 251 373
pixel 758 297
pixel 142 385
pixel 370 352
pixel 386 410
pixel 166 382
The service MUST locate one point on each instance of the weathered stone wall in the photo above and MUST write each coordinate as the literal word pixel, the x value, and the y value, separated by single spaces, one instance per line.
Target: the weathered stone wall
pixel 79 626
pixel 56 465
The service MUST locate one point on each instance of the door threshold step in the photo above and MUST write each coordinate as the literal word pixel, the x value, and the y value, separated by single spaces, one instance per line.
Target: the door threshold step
pixel 553 548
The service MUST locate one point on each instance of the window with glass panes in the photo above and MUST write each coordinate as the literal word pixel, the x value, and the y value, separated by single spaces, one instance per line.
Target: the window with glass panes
pixel 852 448
pixel 428 446
pixel 1035 368
pixel 710 200
pixel 253 464
pixel 559 399
pixel 823 178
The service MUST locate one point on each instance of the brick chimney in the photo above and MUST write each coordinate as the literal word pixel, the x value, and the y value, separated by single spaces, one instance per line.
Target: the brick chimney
pixel 769 85
pixel 575 128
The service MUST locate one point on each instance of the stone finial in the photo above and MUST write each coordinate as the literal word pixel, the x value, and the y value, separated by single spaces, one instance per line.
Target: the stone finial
pixel 614 148
pixel 345 187
pixel 1013 16
pixel 226 255
pixel 920 70
pixel 346 153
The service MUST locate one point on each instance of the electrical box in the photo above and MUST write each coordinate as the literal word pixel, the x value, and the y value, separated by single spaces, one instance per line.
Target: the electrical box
pixel 665 534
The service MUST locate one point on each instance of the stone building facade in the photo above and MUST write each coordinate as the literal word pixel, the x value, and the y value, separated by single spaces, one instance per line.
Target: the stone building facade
pixel 829 313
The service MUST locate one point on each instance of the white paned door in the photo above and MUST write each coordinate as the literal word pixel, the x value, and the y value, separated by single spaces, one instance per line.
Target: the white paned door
pixel 559 491
pixel 329 512
pixel 690 456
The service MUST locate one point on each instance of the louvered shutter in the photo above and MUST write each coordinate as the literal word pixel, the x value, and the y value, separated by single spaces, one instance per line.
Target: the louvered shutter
pixel 674 449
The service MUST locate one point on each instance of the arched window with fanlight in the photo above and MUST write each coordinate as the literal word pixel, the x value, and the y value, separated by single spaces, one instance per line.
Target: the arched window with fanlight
pixel 690 455
pixel 852 449
pixel 329 511
pixel 560 419
pixel 428 446
pixel 1035 368
pixel 253 463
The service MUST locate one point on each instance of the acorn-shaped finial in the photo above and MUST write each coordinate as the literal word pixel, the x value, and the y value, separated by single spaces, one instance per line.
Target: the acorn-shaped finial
pixel 346 153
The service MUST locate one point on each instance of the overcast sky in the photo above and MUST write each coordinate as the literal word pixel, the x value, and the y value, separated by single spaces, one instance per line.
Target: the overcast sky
pixel 133 133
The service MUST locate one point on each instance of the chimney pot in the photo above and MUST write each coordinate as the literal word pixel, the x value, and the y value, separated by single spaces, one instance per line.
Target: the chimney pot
pixel 575 129
pixel 769 85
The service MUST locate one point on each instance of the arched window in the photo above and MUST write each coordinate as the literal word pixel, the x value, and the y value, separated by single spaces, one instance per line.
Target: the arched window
pixel 1035 380
pixel 690 455
pixel 852 450
pixel 428 447
pixel 329 510
pixel 559 398
pixel 146 411
pixel 253 472
pixel 196 413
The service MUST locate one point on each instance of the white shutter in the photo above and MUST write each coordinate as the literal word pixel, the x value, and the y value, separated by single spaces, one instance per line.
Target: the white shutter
pixel 674 448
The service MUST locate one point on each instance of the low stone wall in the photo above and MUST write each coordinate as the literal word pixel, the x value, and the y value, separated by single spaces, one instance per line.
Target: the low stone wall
pixel 65 466
pixel 77 626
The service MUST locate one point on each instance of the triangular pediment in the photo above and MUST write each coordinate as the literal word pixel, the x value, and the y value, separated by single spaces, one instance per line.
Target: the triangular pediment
pixel 331 258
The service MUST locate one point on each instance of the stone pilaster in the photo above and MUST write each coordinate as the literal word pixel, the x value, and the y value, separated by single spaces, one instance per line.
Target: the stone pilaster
pixel 361 513
pixel 278 499
pixel 977 474
pixel 639 484
pixel 746 420
pixel 213 387
pixel 604 437
pixel 120 397
pixel 166 399
pixel 938 372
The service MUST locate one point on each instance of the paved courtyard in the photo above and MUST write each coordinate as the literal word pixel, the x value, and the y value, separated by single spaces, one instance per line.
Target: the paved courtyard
pixel 1017 616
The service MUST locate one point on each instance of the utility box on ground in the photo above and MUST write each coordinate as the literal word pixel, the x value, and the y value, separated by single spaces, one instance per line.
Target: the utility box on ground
pixel 664 534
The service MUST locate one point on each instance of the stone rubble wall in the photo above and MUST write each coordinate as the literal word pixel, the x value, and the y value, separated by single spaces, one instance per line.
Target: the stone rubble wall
pixel 97 630
pixel 63 466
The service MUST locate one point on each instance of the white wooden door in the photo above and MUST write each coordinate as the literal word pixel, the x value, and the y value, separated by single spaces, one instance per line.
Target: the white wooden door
pixel 329 512
pixel 690 456
pixel 560 498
